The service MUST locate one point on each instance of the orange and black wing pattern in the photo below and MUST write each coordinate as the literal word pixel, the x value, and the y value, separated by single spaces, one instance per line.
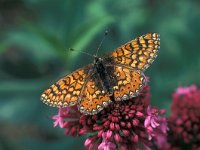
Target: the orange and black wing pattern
pixel 124 67
pixel 129 84
pixel 67 90
pixel 138 53
pixel 93 97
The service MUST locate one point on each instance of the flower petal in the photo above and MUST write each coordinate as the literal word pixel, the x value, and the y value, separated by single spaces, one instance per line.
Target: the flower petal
pixel 147 121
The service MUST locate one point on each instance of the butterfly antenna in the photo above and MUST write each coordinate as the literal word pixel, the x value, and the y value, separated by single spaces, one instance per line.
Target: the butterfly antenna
pixel 71 49
pixel 106 33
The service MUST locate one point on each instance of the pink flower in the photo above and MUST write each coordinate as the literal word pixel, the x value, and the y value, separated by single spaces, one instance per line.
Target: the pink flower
pixel 186 90
pixel 119 126
pixel 156 125
pixel 152 119
pixel 92 142
pixel 184 122
pixel 58 118
pixel 106 144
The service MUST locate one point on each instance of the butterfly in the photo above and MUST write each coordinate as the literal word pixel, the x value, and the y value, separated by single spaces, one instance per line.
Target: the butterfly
pixel 117 76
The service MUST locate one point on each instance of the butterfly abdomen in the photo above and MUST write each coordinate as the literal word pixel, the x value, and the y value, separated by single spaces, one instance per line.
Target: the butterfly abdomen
pixel 104 76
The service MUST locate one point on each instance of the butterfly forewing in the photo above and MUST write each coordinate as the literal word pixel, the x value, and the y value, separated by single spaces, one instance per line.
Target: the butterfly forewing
pixel 67 90
pixel 93 98
pixel 138 53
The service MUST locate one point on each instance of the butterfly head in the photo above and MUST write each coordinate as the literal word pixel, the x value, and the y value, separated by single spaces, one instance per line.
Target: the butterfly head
pixel 97 59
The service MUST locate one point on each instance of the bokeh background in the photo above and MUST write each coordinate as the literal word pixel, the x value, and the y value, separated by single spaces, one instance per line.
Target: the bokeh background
pixel 35 36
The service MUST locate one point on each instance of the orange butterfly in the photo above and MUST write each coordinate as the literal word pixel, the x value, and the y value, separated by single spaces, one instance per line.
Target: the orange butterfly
pixel 117 76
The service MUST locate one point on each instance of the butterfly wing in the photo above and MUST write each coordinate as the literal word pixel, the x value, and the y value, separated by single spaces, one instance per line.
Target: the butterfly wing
pixel 93 98
pixel 129 83
pixel 66 91
pixel 138 53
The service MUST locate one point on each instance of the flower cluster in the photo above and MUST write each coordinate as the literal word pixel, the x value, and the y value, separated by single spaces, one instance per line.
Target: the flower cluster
pixel 184 122
pixel 125 125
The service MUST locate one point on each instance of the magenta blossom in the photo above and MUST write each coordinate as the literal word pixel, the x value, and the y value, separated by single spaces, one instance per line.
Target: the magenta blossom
pixel 186 90
pixel 125 125
pixel 59 117
pixel 107 144
pixel 156 125
pixel 184 122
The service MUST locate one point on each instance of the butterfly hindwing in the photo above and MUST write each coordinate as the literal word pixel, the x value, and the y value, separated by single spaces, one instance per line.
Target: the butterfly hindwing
pixel 93 97
pixel 138 53
pixel 129 83
pixel 66 91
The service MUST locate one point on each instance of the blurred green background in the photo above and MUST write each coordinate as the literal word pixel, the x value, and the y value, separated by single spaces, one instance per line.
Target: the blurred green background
pixel 35 36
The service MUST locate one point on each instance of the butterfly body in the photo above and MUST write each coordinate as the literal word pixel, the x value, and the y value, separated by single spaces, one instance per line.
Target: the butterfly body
pixel 117 76
pixel 102 72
